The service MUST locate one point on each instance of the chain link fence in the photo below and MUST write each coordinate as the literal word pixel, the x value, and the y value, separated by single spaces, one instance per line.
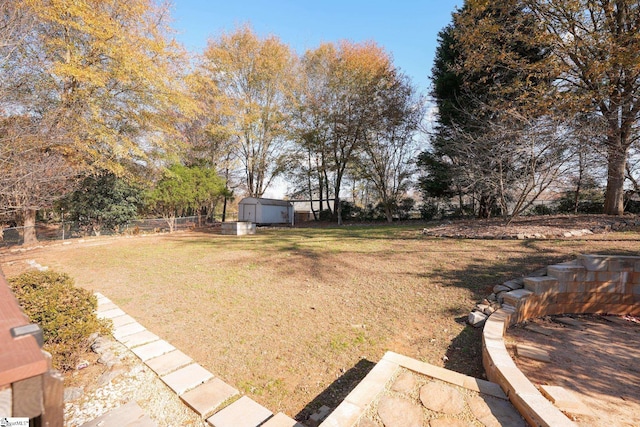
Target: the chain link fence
pixel 72 230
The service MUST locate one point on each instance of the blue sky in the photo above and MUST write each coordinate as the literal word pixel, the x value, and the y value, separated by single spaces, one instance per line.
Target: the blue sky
pixel 407 29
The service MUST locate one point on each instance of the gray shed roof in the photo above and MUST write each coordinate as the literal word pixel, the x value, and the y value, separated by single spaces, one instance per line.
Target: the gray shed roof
pixel 264 202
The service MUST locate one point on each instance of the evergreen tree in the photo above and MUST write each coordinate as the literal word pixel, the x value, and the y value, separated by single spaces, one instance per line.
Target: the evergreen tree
pixel 484 85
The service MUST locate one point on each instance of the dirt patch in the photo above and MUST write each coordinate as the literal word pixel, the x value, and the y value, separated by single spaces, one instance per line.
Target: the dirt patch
pixel 593 357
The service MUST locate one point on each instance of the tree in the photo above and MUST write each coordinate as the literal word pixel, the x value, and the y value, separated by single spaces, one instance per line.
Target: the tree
pixel 182 189
pixel 389 146
pixel 103 202
pixel 99 82
pixel 492 142
pixel 31 176
pixel 250 78
pixel 311 126
pixel 338 108
pixel 596 49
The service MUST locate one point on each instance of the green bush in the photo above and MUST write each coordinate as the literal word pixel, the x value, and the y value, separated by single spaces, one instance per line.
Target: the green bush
pixel 542 210
pixel 66 314
pixel 429 211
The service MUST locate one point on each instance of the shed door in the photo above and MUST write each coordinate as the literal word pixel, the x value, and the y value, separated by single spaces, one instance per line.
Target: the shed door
pixel 249 213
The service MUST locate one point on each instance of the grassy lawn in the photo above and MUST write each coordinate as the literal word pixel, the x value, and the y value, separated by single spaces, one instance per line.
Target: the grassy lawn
pixel 294 317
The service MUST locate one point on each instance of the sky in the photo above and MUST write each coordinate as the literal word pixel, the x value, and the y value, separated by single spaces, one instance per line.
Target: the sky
pixel 407 29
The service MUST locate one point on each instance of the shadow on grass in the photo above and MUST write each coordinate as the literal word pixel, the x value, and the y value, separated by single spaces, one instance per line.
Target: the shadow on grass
pixel 333 395
pixel 464 354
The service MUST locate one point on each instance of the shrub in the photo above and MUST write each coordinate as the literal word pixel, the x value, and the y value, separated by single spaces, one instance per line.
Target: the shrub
pixel 325 215
pixel 66 314
pixel 542 210
pixel 591 201
pixel 405 207
pixel 429 211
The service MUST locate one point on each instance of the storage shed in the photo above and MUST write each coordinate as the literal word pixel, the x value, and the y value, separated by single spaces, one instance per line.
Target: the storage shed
pixel 265 211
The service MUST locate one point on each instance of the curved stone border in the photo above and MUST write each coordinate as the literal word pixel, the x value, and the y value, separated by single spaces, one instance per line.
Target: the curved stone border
pixel 590 284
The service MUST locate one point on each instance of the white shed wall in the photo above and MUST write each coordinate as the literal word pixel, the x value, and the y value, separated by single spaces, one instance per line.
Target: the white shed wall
pixel 261 211
pixel 269 214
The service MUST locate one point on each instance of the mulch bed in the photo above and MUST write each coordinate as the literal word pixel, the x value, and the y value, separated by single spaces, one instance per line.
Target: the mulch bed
pixel 533 227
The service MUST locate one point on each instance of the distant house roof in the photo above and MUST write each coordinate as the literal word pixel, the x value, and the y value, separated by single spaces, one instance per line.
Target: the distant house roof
pixel 305 205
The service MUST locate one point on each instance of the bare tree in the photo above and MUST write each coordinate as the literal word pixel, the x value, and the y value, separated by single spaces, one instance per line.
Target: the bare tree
pixel 596 49
pixel 250 78
pixel 32 177
pixel 390 147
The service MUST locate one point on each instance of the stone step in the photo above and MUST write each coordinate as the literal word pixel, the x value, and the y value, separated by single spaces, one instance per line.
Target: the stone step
pixel 567 273
pixel 514 297
pixel 534 353
pixel 541 285
pixel 565 400
pixel 244 412
pixel 129 415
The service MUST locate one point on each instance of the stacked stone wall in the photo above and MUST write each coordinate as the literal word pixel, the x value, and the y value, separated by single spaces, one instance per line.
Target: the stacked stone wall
pixel 590 284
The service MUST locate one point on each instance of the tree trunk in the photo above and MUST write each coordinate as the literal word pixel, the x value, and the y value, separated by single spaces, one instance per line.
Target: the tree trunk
pixel 614 196
pixel 29 224
pixel 224 209
pixel 388 213
pixel 484 209
pixel 321 188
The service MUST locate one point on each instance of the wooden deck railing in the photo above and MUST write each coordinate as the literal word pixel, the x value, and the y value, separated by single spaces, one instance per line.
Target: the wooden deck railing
pixel 28 386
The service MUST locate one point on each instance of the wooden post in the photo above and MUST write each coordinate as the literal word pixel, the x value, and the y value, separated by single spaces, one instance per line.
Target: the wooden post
pixel 53 390
pixel 6 405
pixel 27 397
pixel 53 415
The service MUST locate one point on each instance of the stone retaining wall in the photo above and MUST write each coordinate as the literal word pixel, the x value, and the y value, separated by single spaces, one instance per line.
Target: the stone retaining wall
pixel 590 284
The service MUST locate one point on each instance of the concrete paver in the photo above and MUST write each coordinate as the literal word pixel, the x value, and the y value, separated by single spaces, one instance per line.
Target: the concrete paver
pixel 151 350
pixel 206 398
pixel 139 338
pixel 105 306
pixel 123 331
pixel 169 362
pixel 187 378
pixel 281 420
pixel 110 314
pixel 564 400
pixel 539 329
pixel 372 384
pixel 569 321
pixel 122 320
pixel 532 353
pixel 242 413
pixel 130 415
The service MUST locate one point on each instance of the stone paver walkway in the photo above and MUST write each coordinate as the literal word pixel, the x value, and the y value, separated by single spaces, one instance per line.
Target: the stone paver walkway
pixel 404 392
pixel 398 391
pixel 208 396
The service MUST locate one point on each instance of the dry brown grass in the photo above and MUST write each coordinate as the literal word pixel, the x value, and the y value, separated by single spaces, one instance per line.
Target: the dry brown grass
pixel 295 317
